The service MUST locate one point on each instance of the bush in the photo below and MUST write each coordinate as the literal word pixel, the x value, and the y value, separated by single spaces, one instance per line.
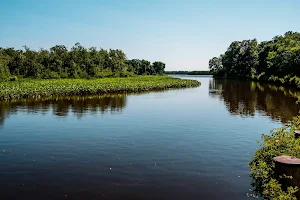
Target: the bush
pixel 48 74
pixel 104 73
pixel 4 71
pixel 125 74
pixel 281 142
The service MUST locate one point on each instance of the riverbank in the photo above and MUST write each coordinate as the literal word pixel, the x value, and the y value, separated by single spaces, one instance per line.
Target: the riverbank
pixel 280 142
pixel 287 80
pixel 34 88
pixel 291 81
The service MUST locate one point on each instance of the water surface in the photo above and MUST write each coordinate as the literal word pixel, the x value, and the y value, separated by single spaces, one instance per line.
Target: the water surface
pixel 178 144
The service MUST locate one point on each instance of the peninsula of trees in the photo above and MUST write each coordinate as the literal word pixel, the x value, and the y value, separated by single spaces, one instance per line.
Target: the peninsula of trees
pixel 277 60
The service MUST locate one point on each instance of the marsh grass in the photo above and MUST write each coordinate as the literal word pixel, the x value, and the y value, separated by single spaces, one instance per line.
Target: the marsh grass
pixel 33 88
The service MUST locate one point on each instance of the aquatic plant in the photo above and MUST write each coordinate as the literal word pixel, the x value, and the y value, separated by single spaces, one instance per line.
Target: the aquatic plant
pixel 33 88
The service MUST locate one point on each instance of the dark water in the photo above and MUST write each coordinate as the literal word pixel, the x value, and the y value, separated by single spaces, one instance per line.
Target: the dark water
pixel 178 144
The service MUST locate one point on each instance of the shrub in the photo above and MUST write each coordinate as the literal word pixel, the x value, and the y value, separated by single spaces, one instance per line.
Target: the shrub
pixel 104 73
pixel 281 142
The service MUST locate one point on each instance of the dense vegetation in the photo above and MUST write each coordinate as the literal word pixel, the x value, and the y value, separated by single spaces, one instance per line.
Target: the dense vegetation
pixel 33 88
pixel 78 62
pixel 277 60
pixel 190 72
pixel 281 142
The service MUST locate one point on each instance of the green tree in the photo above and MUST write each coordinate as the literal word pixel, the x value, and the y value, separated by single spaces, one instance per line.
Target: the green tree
pixel 276 60
pixel 159 67
pixel 78 62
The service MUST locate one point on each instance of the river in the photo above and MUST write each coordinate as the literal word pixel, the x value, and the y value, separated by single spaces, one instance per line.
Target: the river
pixel 178 144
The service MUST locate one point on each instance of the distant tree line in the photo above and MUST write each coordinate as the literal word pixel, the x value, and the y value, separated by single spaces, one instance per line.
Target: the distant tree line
pixel 78 62
pixel 190 72
pixel 277 60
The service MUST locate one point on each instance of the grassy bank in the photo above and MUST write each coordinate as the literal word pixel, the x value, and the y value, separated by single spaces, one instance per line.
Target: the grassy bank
pixel 29 88
pixel 280 142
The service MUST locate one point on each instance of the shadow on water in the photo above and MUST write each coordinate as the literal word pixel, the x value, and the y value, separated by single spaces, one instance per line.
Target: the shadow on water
pixel 63 106
pixel 246 98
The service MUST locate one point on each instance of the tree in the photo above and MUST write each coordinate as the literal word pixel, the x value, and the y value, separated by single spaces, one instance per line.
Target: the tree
pixel 78 62
pixel 276 60
pixel 215 65
pixel 4 70
pixel 159 67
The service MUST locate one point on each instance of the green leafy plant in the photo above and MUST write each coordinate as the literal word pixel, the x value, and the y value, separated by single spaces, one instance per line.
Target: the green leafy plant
pixel 281 141
pixel 33 88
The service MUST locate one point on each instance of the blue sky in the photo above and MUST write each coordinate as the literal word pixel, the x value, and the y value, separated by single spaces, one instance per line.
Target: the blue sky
pixel 184 34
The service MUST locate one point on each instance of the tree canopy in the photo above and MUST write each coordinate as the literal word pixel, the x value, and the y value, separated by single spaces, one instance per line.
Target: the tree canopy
pixel 78 62
pixel 277 60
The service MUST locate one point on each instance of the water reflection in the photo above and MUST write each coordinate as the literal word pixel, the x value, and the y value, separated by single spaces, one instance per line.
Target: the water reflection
pixel 63 106
pixel 245 98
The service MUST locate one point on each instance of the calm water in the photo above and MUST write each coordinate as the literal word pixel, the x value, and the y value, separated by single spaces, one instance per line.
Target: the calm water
pixel 178 144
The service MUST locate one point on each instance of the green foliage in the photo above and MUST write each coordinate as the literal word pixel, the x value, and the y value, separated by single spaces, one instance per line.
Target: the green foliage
pixel 104 73
pixel 13 78
pixel 4 70
pixel 215 65
pixel 144 67
pixel 32 88
pixel 159 67
pixel 281 142
pixel 78 62
pixel 272 61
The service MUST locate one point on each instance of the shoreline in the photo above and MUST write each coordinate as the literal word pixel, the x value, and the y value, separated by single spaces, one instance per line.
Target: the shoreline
pixel 277 82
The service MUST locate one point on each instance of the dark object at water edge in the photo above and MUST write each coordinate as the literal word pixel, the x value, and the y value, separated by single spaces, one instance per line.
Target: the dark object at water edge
pixel 290 167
